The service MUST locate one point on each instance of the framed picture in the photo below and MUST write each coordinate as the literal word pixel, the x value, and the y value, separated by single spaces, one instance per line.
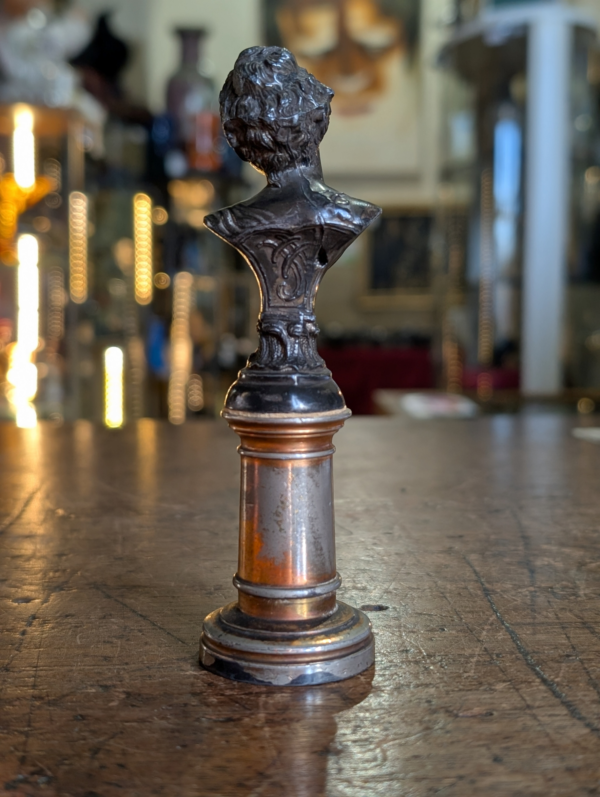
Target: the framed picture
pixel 398 269
pixel 367 51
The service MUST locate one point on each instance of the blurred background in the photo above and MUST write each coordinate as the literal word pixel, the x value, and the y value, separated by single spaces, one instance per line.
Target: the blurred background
pixel 473 123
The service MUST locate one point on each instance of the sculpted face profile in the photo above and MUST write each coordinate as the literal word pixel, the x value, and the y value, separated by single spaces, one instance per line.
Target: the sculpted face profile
pixel 275 115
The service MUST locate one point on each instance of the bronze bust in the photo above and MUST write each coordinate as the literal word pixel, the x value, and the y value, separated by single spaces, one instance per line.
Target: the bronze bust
pixel 275 115
pixel 287 627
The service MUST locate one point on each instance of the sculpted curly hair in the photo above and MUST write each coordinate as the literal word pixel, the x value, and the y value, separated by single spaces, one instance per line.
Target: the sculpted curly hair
pixel 274 112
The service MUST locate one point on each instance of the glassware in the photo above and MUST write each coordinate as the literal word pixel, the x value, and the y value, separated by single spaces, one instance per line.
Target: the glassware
pixel 193 104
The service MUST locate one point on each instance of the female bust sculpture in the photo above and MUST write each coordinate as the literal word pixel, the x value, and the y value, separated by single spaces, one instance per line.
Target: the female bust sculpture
pixel 275 115
pixel 287 627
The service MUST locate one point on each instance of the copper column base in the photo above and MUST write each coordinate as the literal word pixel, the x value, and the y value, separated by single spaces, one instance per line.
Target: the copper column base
pixel 287 629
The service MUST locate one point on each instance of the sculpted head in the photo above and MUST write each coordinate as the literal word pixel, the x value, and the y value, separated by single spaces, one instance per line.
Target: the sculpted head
pixel 274 112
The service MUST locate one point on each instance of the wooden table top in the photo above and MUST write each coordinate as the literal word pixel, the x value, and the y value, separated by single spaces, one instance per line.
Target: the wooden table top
pixel 482 537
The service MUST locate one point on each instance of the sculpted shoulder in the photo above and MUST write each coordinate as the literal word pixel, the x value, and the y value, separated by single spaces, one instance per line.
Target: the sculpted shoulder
pixel 291 209
pixel 236 221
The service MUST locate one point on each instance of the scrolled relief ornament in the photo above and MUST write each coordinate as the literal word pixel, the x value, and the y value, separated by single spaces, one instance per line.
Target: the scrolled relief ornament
pixel 287 626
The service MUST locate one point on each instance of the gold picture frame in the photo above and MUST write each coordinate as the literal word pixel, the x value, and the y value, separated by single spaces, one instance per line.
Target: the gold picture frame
pixel 369 53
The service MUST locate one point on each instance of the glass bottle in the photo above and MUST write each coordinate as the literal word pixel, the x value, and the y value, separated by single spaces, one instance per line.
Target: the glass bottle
pixel 193 105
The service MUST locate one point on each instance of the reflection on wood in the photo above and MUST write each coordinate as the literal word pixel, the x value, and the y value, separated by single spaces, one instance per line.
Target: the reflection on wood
pixel 479 536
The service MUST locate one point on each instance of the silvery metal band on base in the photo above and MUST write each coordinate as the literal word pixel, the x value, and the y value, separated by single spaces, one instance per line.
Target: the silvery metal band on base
pixel 335 649
pixel 289 593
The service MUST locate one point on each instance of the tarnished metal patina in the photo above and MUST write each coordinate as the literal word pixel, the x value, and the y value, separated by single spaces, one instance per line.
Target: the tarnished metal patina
pixel 287 628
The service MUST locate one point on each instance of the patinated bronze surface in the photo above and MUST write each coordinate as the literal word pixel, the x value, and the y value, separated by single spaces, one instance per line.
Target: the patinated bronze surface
pixel 286 627
pixel 481 538
pixel 275 115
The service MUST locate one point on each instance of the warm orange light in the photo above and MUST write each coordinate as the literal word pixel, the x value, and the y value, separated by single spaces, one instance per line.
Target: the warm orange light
pixel 22 374
pixel 14 201
pixel 24 147
pixel 124 254
pixel 142 237
pixel 162 280
pixel 113 387
pixel 181 347
pixel 195 217
pixel 192 200
pixel 78 247
pixel 28 326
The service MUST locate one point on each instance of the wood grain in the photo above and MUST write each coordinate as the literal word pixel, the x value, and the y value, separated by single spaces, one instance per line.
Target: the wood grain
pixel 482 537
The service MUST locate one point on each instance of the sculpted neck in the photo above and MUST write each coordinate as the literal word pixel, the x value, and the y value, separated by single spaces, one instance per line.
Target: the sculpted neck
pixel 311 172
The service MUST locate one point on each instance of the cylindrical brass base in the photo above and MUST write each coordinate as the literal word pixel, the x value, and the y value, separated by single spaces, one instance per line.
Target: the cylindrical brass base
pixel 287 627
pixel 239 647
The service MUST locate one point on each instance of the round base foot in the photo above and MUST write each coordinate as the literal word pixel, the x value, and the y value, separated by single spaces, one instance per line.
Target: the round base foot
pixel 243 648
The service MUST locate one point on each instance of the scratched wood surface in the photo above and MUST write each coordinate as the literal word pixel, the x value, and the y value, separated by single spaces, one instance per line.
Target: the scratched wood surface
pixel 482 538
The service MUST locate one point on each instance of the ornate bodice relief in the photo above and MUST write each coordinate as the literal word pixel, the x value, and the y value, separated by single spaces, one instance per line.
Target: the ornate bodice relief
pixel 289 253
